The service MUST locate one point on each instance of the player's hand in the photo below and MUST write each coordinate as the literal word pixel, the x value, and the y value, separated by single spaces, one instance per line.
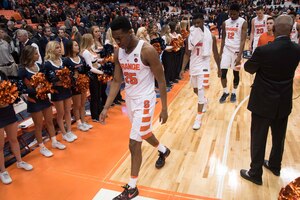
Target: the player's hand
pixel 238 61
pixel 219 73
pixel 103 116
pixel 163 117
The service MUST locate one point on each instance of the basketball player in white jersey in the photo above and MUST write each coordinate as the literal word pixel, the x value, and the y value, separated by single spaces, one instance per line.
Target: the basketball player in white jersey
pixel 138 62
pixel 295 33
pixel 234 33
pixel 198 48
pixel 258 27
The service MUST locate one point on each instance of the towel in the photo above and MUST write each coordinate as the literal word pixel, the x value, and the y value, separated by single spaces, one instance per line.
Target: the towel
pixel 196 35
pixel 207 45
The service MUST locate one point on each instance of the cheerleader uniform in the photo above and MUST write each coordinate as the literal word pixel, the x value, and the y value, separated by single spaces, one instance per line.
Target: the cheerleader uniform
pixel 95 86
pixel 7 113
pixel 61 93
pixel 34 104
pixel 80 67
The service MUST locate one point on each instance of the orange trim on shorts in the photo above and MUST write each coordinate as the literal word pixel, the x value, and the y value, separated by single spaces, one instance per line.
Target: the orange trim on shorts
pixel 145 137
pixel 146 111
pixel 146 119
pixel 206 75
pixel 144 128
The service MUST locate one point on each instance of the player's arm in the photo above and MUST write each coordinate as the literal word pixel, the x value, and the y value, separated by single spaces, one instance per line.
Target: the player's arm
pixel 223 38
pixel 243 41
pixel 186 57
pixel 114 87
pixel 151 59
pixel 298 29
pixel 216 54
pixel 251 34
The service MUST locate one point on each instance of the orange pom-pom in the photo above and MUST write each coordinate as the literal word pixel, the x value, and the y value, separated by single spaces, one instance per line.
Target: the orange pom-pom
pixel 157 47
pixel 64 76
pixel 185 34
pixel 82 83
pixel 291 191
pixel 42 86
pixel 177 43
pixel 8 92
pixel 104 78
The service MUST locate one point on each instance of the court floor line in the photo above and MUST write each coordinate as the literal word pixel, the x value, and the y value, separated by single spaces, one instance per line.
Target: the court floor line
pixel 226 148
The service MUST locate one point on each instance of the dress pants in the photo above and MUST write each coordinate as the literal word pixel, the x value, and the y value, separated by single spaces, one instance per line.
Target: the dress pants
pixel 259 133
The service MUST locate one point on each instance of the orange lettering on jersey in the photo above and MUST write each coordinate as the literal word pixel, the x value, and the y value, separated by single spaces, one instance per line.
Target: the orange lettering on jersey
pixel 260 25
pixel 199 44
pixel 231 29
pixel 130 66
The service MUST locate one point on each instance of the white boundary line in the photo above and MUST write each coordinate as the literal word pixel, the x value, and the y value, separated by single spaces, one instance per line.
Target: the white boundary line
pixel 226 147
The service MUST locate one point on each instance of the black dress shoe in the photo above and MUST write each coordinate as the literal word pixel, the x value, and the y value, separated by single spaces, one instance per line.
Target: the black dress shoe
pixel 266 165
pixel 244 173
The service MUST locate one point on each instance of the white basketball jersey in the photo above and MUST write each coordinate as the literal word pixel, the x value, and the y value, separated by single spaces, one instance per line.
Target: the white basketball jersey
pixel 260 26
pixel 233 30
pixel 294 34
pixel 139 79
pixel 199 64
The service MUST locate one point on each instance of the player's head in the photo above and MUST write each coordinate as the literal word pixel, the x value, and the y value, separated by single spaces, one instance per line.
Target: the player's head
pixel 234 11
pixel 270 23
pixel 259 12
pixel 122 31
pixel 198 20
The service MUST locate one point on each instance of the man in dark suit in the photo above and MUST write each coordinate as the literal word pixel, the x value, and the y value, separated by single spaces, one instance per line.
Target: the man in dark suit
pixel 271 98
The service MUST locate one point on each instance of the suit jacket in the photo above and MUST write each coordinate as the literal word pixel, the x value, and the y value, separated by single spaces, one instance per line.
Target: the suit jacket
pixel 272 90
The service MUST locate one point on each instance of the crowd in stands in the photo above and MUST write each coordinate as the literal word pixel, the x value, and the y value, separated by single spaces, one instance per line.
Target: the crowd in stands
pixel 62 33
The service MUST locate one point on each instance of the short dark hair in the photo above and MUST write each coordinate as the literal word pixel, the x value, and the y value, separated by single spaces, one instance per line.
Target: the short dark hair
pixel 198 16
pixel 259 8
pixel 270 18
pixel 235 7
pixel 122 23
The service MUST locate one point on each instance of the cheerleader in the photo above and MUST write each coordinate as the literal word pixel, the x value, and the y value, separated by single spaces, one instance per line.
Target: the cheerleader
pixel 61 98
pixel 8 123
pixel 78 66
pixel 91 58
pixel 168 59
pixel 39 108
pixel 97 47
pixel 110 40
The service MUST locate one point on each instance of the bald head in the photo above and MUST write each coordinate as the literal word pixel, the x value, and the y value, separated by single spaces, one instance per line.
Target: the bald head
pixel 283 25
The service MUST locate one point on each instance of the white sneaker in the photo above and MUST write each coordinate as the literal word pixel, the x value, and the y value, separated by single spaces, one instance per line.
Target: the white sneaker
pixel 46 152
pixel 73 135
pixel 68 137
pixel 204 109
pixel 197 124
pixel 88 125
pixel 82 127
pixel 5 177
pixel 58 145
pixel 24 165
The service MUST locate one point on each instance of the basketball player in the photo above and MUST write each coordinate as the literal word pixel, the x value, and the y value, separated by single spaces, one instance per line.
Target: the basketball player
pixel 198 49
pixel 295 33
pixel 138 62
pixel 234 33
pixel 268 36
pixel 258 27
